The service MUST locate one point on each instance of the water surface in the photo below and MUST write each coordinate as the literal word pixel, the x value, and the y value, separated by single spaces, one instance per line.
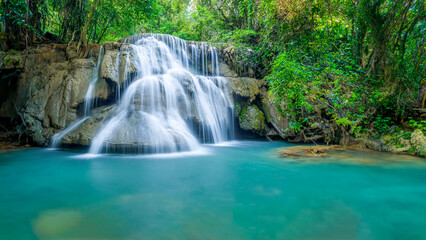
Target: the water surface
pixel 236 191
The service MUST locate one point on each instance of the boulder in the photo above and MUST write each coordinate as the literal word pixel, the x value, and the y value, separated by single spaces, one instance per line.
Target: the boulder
pixel 252 119
pixel 226 71
pixel 118 64
pixel 245 87
pixel 275 118
pixel 418 140
pixel 12 61
pixel 239 59
pixel 84 134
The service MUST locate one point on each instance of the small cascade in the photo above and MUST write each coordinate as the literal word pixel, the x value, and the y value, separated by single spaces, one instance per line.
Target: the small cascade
pixel 176 100
pixel 88 103
pixel 58 136
pixel 89 97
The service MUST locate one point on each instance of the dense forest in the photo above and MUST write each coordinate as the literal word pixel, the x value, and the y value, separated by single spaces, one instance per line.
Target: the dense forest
pixel 361 60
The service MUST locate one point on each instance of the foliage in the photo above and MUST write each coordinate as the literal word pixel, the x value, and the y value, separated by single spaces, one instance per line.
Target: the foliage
pixel 111 20
pixel 418 124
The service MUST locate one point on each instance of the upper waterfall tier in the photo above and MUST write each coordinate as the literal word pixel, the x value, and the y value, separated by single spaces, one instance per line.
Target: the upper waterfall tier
pixel 199 57
pixel 175 101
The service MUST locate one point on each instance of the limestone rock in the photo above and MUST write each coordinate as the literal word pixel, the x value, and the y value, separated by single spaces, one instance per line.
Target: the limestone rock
pixel 49 91
pixel 372 143
pixel 418 139
pixel 118 64
pixel 252 119
pixel 84 134
pixel 226 71
pixel 239 60
pixel 245 87
pixel 274 117
pixel 12 61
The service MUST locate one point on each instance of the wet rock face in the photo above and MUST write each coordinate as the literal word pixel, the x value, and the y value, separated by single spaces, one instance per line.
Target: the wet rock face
pixel 118 64
pixel 51 83
pixel 249 88
pixel 49 90
pixel 415 145
pixel 84 134
pixel 237 60
pixel 252 119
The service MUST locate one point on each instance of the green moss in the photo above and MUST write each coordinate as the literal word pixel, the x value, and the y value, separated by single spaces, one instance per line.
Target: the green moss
pixel 237 109
pixel 252 118
pixel 243 114
pixel 11 62
pixel 7 60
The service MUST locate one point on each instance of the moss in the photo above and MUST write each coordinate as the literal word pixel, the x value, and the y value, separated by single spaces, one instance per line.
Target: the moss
pixel 11 62
pixel 252 118
pixel 7 60
pixel 237 109
pixel 243 114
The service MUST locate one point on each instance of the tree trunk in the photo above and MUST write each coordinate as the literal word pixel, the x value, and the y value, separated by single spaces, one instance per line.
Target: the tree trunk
pixel 82 43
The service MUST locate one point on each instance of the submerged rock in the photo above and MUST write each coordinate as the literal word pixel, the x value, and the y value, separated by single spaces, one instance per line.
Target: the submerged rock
pixel 307 151
pixel 52 223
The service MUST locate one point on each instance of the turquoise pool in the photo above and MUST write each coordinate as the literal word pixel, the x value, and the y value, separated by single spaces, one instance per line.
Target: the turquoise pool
pixel 240 190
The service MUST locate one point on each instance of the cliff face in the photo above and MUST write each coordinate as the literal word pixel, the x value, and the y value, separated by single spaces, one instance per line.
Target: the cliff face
pixel 46 90
pixel 42 91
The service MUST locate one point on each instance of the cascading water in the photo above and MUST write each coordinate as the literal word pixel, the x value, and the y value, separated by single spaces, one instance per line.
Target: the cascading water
pixel 89 97
pixel 88 103
pixel 176 100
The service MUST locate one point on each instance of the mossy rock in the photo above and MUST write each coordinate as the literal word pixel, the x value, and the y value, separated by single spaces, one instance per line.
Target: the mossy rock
pixel 252 119
pixel 12 61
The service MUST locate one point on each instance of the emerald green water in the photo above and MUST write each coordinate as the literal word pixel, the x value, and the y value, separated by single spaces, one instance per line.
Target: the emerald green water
pixel 242 191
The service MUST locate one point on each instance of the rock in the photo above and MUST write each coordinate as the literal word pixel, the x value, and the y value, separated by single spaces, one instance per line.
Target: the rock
pixel 395 145
pixel 245 87
pixel 252 119
pixel 372 143
pixel 238 59
pixel 12 61
pixel 49 91
pixel 109 68
pixel 84 134
pixel 308 151
pixel 118 64
pixel 274 117
pixel 418 139
pixel 289 152
pixel 226 71
pixel 237 109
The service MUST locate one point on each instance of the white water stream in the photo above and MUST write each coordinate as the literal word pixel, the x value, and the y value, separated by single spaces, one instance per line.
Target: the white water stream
pixel 176 102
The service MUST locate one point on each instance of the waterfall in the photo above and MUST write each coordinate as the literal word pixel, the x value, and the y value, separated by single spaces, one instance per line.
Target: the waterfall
pixel 176 101
pixel 89 97
pixel 88 103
